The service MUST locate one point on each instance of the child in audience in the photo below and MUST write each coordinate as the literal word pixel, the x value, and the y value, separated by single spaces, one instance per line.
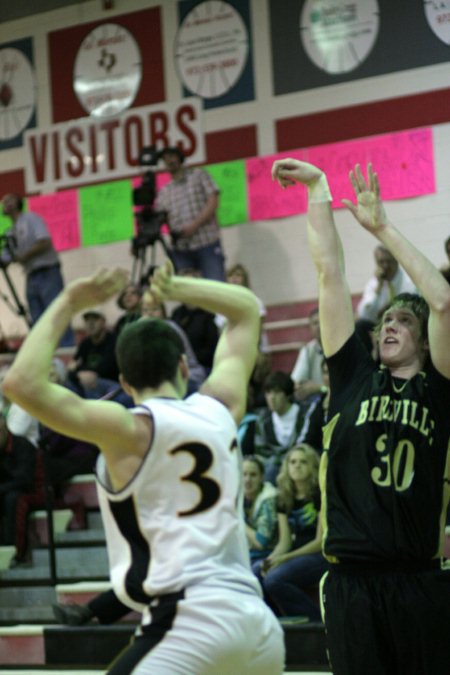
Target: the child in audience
pixel 277 426
pixel 260 509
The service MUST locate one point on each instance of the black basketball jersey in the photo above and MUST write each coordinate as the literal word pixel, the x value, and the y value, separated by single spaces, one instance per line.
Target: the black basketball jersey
pixel 388 469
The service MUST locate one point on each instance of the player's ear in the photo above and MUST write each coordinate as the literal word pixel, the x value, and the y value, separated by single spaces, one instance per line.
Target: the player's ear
pixel 125 386
pixel 184 368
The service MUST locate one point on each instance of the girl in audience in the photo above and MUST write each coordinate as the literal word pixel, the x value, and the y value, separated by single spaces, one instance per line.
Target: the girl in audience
pixel 238 274
pixel 130 301
pixel 296 564
pixel 259 508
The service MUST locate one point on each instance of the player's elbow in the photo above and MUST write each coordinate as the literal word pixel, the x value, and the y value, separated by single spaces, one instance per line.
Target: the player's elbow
pixel 441 302
pixel 11 385
pixel 18 388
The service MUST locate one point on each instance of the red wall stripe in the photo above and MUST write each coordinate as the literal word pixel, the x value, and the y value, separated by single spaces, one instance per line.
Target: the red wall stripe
pixel 237 143
pixel 12 181
pixel 368 119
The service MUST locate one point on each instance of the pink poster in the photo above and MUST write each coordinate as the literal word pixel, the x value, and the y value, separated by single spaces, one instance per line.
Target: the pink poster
pixel 266 199
pixel 61 214
pixel 404 162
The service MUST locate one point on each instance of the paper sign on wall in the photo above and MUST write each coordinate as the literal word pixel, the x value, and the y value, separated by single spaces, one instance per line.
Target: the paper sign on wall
pixel 403 161
pixel 230 178
pixel 60 213
pixel 106 213
pixel 266 198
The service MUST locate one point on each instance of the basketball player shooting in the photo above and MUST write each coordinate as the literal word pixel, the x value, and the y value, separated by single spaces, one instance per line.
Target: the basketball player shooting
pixel 385 473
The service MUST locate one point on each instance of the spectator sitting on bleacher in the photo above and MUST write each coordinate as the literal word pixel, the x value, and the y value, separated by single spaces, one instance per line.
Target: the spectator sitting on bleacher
pixel 238 274
pixel 153 309
pixel 307 371
pixel 18 421
pixel 66 456
pixel 296 564
pixel 130 301
pixel 389 280
pixel 277 426
pixel 317 416
pixel 198 325
pixel 94 365
pixel 263 367
pixel 17 474
pixel 259 509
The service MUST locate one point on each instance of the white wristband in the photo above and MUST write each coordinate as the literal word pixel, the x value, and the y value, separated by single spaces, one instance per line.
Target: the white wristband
pixel 318 191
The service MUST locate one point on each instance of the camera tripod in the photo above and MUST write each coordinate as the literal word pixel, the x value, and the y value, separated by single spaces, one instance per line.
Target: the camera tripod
pixel 141 272
pixel 17 307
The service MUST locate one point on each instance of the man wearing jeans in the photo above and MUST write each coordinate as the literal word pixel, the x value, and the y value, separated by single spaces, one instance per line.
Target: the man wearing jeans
pixel 190 200
pixel 31 246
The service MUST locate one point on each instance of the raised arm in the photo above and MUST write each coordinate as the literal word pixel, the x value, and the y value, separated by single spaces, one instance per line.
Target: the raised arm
pixel 237 348
pixel 370 213
pixel 335 307
pixel 105 424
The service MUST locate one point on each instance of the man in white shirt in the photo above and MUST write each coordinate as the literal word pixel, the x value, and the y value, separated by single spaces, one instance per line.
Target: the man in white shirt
pixel 278 425
pixel 307 371
pixel 388 281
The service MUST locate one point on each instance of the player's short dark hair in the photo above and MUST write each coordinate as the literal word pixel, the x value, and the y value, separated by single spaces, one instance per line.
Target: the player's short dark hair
pixel 279 381
pixel 148 352
pixel 417 305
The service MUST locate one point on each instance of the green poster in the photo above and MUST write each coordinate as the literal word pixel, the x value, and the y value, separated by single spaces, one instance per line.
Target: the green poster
pixel 106 213
pixel 231 179
pixel 5 223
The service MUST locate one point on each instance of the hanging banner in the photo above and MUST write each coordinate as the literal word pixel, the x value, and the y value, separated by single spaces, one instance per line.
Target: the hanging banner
pixel 87 150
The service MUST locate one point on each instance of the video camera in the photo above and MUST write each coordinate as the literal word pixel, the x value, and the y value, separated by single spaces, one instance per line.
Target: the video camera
pixel 149 221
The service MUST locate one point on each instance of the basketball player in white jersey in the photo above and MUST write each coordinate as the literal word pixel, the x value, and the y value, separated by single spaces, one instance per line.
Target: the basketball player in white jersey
pixel 168 478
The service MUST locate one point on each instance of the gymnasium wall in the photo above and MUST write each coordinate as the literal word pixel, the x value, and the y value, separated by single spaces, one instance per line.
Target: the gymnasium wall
pixel 284 98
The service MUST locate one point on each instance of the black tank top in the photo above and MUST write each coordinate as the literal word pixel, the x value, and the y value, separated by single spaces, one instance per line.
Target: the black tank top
pixel 387 443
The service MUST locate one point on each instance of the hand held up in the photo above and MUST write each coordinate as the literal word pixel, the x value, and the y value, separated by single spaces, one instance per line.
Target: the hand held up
pixel 291 171
pixel 369 210
pixel 161 282
pixel 96 289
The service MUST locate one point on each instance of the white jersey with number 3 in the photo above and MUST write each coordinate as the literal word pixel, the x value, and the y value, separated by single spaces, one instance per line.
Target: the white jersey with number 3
pixel 179 521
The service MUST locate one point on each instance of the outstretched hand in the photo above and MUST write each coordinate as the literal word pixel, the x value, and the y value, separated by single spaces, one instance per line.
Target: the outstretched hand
pixel 96 289
pixel 289 171
pixel 369 210
pixel 161 283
